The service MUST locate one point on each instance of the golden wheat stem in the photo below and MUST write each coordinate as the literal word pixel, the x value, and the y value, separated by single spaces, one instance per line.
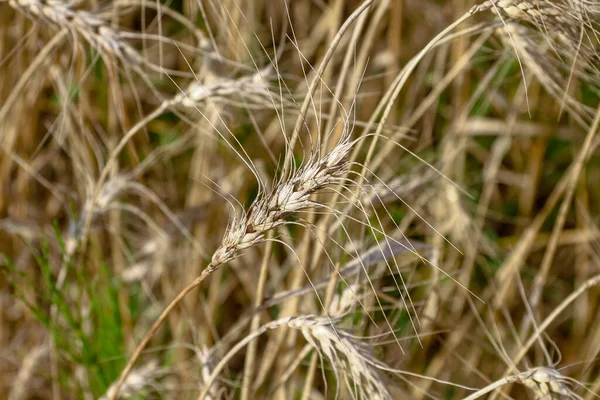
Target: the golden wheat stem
pixel 157 324
pixel 233 351
pixel 254 324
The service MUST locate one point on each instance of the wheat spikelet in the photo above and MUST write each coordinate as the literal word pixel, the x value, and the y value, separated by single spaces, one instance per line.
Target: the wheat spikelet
pixel 289 195
pixel 546 383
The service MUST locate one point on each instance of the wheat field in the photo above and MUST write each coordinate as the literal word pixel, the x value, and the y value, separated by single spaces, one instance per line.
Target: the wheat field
pixel 299 199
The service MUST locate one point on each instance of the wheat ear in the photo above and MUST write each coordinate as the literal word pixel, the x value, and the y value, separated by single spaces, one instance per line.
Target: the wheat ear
pixel 349 358
pixel 92 28
pixel 544 382
pixel 290 195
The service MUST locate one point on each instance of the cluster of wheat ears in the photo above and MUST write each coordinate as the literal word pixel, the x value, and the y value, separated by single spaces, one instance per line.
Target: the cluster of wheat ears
pixel 378 199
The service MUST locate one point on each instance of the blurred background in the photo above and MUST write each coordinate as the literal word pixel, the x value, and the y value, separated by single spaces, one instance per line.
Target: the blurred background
pixel 132 132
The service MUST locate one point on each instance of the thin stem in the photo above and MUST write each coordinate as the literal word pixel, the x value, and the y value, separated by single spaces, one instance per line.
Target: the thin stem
pixel 254 325
pixel 492 386
pixel 159 321
pixel 33 68
pixel 240 345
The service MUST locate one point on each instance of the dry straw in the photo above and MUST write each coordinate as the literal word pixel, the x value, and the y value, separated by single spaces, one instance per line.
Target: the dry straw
pixel 550 40
pixel 556 41
pixel 207 365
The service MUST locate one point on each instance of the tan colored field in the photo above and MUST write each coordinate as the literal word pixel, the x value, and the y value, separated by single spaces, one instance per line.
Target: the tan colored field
pixel 308 199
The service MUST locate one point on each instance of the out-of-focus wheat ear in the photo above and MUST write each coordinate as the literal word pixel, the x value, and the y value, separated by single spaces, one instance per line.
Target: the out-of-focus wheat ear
pixel 140 382
pixel 557 41
pixel 533 56
pixel 251 91
pixel 544 383
pixel 203 42
pixel 93 28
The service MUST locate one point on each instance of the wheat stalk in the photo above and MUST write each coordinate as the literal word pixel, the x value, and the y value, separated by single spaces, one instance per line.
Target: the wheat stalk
pixel 291 194
pixel 22 383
